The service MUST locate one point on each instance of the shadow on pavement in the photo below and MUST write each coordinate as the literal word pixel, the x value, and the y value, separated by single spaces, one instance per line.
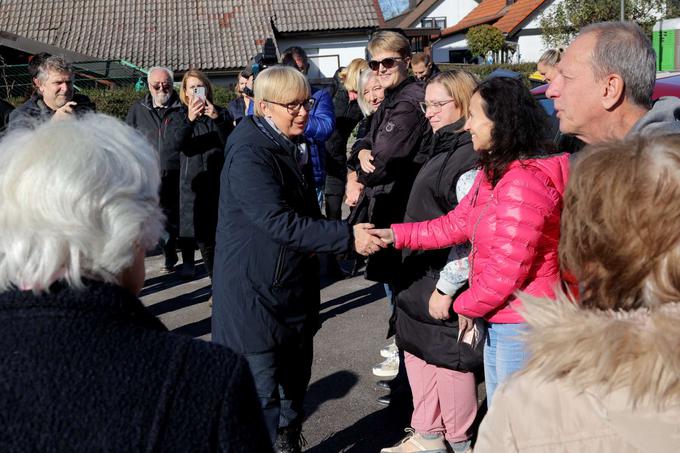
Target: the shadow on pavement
pixel 352 300
pixel 375 431
pixel 162 282
pixel 331 387
pixel 185 300
pixel 195 329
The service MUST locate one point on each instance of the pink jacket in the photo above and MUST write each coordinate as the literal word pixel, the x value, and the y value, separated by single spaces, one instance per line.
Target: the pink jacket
pixel 516 230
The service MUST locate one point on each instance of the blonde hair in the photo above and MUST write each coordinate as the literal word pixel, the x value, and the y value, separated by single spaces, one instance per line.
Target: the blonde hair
pixel 620 234
pixel 280 84
pixel 551 57
pixel 389 41
pixel 200 76
pixel 353 70
pixel 459 85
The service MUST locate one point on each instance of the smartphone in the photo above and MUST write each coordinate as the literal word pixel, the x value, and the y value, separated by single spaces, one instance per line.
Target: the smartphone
pixel 199 92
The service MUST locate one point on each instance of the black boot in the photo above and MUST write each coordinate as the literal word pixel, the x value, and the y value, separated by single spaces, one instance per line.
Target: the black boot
pixel 289 440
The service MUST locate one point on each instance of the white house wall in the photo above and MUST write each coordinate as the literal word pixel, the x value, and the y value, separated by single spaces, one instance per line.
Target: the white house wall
pixel 453 10
pixel 327 54
pixel 440 50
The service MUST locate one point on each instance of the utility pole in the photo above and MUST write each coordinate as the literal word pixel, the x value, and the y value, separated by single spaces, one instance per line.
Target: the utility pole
pixel 622 10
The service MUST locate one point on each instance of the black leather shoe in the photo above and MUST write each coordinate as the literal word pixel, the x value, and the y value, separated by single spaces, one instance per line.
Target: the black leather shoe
pixel 289 440
pixel 383 385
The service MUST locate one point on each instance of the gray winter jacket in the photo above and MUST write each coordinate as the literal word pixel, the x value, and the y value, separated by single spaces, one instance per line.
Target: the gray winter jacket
pixel 662 119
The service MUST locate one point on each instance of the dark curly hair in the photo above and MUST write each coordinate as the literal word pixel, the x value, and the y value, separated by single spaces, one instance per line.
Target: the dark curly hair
pixel 519 125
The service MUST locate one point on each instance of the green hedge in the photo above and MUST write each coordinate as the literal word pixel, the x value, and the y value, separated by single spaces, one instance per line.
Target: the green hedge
pixel 483 70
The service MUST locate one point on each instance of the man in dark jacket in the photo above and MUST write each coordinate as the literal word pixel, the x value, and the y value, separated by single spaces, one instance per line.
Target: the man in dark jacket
pixel 159 117
pixel 54 96
pixel 423 67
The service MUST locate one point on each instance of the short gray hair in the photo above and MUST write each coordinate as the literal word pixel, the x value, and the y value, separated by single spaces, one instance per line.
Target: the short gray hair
pixel 76 198
pixel 365 76
pixel 55 63
pixel 168 71
pixel 623 48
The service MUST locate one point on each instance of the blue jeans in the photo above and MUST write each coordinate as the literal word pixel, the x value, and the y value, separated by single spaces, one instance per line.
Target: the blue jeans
pixel 504 353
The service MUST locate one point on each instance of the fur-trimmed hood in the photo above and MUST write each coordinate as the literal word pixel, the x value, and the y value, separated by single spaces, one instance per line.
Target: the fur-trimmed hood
pixel 638 351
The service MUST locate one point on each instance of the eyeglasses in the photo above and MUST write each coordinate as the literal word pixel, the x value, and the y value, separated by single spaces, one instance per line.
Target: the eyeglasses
pixel 294 107
pixel 435 107
pixel 386 62
pixel 161 85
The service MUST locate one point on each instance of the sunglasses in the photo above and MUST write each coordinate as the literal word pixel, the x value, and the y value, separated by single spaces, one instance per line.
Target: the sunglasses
pixel 387 63
pixel 294 107
pixel 161 85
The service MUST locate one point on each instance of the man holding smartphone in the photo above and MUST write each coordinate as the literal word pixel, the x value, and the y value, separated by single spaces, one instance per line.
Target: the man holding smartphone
pixel 158 116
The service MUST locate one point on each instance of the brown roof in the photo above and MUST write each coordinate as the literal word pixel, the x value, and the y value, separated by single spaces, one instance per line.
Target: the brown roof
pixel 408 17
pixel 206 34
pixel 497 13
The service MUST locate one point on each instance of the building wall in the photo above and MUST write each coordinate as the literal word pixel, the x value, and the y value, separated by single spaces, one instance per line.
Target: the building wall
pixel 328 53
pixel 453 10
pixel 440 51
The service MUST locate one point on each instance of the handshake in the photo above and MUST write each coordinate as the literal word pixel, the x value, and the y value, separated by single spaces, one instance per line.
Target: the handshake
pixel 368 240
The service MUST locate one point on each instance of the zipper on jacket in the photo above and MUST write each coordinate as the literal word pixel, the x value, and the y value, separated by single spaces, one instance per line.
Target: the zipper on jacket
pixel 278 270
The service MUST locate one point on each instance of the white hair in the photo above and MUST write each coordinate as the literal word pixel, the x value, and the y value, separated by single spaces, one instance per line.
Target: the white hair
pixel 168 71
pixel 76 199
pixel 365 77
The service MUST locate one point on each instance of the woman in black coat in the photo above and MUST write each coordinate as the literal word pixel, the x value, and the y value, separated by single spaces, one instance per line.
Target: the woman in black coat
pixel 201 160
pixel 439 368
pixel 85 367
pixel 270 230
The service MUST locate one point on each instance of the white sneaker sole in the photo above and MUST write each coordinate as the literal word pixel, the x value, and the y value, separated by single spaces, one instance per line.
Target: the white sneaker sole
pixel 384 373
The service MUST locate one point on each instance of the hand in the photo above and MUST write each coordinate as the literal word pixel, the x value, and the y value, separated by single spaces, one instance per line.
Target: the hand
pixel 195 108
pixel 210 110
pixel 439 305
pixel 353 189
pixel 364 243
pixel 365 159
pixel 386 235
pixel 65 111
pixel 464 324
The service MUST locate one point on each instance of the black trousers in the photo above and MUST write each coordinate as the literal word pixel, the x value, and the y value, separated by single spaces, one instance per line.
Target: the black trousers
pixel 334 193
pixel 169 201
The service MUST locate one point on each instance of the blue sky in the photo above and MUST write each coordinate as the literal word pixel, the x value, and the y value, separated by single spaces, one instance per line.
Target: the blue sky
pixel 391 8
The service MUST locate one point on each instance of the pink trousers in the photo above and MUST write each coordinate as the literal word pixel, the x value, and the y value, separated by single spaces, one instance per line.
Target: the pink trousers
pixel 444 401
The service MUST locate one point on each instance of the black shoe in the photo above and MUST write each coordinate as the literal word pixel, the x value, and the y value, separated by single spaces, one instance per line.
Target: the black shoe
pixel 289 440
pixel 384 385
pixel 385 400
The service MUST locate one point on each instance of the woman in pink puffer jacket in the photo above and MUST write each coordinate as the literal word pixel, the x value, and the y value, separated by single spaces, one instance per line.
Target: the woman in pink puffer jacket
pixel 511 216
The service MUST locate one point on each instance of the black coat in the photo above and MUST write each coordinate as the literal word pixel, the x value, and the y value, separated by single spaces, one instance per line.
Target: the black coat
pixel 433 195
pixel 400 142
pixel 167 129
pixel 35 109
pixel 347 116
pixel 5 110
pixel 92 370
pixel 201 160
pixel 237 109
pixel 266 276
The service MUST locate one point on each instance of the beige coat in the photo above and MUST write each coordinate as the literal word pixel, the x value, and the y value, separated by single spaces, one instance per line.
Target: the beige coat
pixel 597 382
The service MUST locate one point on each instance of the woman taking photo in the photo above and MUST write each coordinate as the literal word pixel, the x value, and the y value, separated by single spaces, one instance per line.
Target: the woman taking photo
pixel 511 216
pixel 603 374
pixel 439 369
pixel 270 232
pixel 201 160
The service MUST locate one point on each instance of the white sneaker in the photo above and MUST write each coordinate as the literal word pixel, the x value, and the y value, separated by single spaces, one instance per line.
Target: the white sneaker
pixel 389 350
pixel 414 442
pixel 387 368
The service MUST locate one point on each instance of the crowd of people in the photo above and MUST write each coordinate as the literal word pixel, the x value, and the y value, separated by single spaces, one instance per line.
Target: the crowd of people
pixel 551 276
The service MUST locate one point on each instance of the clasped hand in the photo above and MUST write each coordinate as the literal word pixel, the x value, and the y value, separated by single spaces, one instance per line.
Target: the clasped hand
pixel 368 240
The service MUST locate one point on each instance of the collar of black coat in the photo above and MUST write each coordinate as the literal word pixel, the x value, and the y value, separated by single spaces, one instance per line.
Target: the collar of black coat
pixel 393 94
pixel 276 136
pixel 450 137
pixel 95 298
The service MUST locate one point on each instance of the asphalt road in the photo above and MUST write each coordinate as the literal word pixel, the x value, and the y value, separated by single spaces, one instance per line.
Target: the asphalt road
pixel 342 412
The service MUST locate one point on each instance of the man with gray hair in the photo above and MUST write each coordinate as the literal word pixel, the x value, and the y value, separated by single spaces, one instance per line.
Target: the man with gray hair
pixel 604 84
pixel 160 118
pixel 54 97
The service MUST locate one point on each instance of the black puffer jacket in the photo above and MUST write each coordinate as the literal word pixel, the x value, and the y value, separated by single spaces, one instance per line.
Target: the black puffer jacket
pixel 167 128
pixel 92 370
pixel 266 276
pixel 433 195
pixel 201 164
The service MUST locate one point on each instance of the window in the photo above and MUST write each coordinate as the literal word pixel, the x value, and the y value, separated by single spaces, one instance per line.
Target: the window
pixel 433 22
pixel 460 56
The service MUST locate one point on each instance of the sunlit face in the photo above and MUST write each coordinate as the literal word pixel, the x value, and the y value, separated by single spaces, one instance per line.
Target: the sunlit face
pixel 242 81
pixel 421 70
pixel 373 93
pixel 391 77
pixel 290 122
pixel 57 89
pixel 479 125
pixel 576 92
pixel 548 72
pixel 160 87
pixel 191 83
pixel 441 108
